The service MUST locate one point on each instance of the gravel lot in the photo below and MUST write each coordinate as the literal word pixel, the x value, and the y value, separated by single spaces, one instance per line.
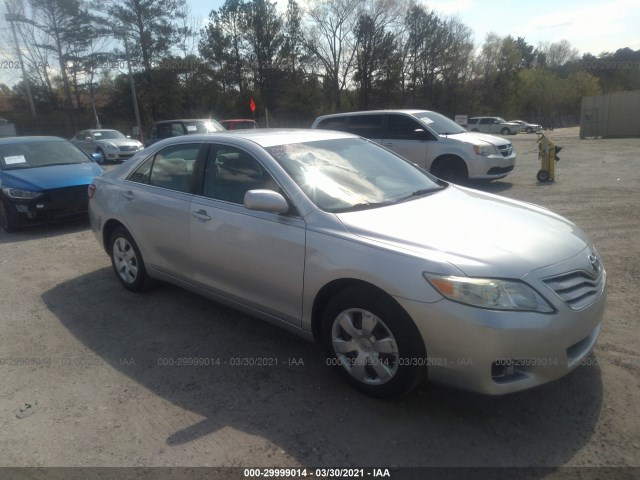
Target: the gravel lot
pixel 85 380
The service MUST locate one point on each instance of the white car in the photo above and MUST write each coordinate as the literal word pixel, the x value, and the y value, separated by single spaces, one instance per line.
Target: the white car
pixel 493 125
pixel 528 127
pixel 431 141
pixel 111 144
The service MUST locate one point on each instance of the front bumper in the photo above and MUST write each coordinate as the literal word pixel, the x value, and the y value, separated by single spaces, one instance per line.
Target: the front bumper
pixel 54 205
pixel 498 352
pixel 492 167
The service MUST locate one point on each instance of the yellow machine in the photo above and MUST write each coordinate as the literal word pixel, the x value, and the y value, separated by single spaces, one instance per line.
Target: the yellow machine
pixel 548 155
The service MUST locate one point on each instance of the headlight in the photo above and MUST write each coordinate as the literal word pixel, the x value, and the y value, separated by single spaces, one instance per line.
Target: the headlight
pixel 485 150
pixel 489 293
pixel 18 194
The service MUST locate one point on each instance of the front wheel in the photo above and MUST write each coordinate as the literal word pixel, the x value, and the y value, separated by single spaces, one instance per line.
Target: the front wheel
pixel 505 131
pixel 7 217
pixel 127 262
pixel 372 343
pixel 450 169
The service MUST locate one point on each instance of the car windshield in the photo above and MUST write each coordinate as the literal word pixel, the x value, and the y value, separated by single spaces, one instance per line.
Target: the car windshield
pixel 203 126
pixel 107 134
pixel 439 123
pixel 501 120
pixel 351 174
pixel 40 154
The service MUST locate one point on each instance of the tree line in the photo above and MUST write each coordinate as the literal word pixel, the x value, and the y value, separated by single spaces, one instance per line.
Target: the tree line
pixel 300 62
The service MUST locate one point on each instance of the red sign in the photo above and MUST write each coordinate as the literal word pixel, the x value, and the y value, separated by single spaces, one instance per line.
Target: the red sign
pixel 252 105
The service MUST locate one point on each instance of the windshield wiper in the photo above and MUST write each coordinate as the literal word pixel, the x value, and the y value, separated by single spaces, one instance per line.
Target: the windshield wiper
pixel 419 193
pixel 362 206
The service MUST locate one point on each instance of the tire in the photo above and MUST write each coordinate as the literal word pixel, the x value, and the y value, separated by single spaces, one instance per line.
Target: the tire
pixel 127 261
pixel 450 169
pixel 529 130
pixel 104 157
pixel 372 343
pixel 7 217
pixel 505 131
pixel 543 176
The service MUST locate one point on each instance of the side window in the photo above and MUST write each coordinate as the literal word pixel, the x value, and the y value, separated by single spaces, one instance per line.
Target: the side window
pixel 367 126
pixel 230 173
pixel 485 121
pixel 163 130
pixel 401 127
pixel 336 123
pixel 173 167
pixel 141 174
pixel 176 129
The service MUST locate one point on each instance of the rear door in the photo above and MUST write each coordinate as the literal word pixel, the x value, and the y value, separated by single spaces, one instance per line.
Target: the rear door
pixel 155 201
pixel 254 258
pixel 367 126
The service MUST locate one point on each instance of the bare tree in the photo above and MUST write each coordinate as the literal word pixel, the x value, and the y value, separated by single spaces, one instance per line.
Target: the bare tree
pixel 331 39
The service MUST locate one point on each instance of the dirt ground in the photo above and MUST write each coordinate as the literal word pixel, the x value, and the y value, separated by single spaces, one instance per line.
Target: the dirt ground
pixel 86 381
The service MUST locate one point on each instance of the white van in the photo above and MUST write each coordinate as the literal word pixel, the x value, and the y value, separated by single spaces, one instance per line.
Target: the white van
pixel 430 140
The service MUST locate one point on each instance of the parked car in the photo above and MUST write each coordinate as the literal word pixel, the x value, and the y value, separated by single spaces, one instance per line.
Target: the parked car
pixel 43 179
pixel 174 128
pixel 528 127
pixel 111 144
pixel 493 125
pixel 396 272
pixel 430 140
pixel 238 123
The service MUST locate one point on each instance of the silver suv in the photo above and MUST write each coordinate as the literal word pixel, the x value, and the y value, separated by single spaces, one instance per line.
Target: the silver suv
pixel 493 125
pixel 430 140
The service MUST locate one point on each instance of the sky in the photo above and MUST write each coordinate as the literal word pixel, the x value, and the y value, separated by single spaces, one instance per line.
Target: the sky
pixel 593 26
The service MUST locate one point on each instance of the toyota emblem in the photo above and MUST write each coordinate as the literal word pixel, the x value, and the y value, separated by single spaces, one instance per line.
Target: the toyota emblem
pixel 595 262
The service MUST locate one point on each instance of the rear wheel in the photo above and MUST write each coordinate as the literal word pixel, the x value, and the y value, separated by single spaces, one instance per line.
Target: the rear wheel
pixel 450 169
pixel 372 343
pixel 127 262
pixel 7 217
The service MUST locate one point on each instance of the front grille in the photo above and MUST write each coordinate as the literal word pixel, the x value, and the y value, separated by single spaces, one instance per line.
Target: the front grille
pixel 129 148
pixel 63 202
pixel 577 289
pixel 506 150
pixel 499 170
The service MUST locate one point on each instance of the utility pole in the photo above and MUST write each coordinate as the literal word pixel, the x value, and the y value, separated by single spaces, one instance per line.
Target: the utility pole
pixel 10 17
pixel 133 87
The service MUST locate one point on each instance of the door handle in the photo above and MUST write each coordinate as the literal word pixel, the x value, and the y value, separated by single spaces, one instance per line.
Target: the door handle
pixel 201 215
pixel 129 195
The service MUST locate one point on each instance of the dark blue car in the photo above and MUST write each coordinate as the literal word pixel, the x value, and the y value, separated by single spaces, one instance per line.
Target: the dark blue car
pixel 43 179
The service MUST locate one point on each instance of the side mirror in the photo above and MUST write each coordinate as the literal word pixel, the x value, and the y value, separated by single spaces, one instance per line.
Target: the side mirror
pixel 420 134
pixel 88 139
pixel 265 201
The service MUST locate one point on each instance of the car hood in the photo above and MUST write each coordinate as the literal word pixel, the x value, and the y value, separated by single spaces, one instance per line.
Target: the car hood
pixel 480 234
pixel 120 142
pixel 47 178
pixel 476 137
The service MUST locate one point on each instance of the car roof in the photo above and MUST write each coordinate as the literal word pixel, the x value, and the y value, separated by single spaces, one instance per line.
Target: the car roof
pixel 237 120
pixel 186 120
pixel 409 111
pixel 30 139
pixel 268 137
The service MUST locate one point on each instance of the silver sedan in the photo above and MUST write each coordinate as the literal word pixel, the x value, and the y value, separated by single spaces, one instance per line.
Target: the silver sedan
pixel 398 274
